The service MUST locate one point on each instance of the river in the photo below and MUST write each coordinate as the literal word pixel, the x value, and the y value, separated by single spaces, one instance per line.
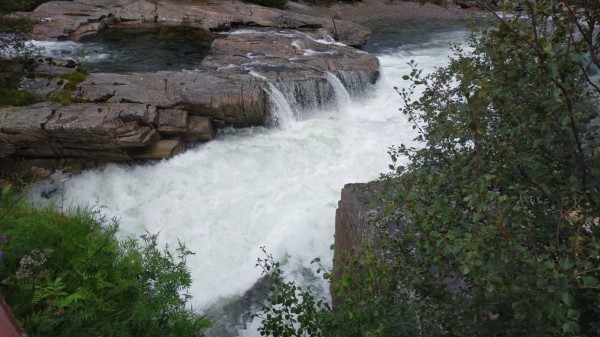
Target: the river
pixel 273 187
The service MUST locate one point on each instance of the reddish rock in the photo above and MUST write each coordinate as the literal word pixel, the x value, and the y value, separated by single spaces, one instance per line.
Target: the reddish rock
pixel 8 325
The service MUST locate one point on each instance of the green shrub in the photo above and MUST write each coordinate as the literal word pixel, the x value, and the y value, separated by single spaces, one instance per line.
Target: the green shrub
pixel 20 5
pixel 501 206
pixel 74 77
pixel 68 275
pixel 14 97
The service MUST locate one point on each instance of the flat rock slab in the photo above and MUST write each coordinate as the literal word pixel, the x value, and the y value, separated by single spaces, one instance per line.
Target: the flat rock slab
pixel 287 55
pixel 49 130
pixel 236 100
pixel 22 127
pixel 100 126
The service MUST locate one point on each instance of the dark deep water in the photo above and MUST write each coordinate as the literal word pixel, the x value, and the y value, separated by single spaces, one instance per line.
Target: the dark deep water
pixel 145 49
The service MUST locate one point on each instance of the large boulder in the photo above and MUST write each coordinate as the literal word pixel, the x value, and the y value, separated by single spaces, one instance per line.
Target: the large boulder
pixel 22 127
pixel 287 55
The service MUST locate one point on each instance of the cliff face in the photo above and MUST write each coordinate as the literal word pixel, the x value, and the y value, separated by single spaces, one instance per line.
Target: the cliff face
pixel 359 206
pixel 354 228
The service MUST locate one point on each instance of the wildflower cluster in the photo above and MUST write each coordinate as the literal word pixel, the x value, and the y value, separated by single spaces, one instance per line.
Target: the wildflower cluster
pixel 30 264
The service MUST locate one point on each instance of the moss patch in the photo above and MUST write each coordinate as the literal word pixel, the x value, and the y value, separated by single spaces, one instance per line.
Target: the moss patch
pixel 76 77
pixel 14 97
pixel 65 97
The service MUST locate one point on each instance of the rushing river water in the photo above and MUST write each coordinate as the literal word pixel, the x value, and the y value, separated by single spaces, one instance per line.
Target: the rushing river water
pixel 276 187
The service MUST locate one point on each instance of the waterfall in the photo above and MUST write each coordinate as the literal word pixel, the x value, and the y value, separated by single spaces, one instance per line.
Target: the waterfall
pixel 306 97
pixel 273 187
pixel 282 112
pixel 341 94
pixel 356 82
pixel 302 100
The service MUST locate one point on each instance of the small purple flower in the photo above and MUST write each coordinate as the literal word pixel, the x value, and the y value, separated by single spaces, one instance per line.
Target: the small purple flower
pixel 1 255
pixel 4 238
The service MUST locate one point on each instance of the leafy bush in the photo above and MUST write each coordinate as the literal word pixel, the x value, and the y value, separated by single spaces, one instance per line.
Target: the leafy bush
pixel 290 311
pixel 68 275
pixel 20 5
pixel 13 38
pixel 500 209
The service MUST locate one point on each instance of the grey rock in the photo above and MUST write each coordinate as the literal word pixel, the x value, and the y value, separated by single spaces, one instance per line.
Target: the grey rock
pixel 99 126
pixel 173 122
pixel 165 148
pixel 239 101
pixel 53 70
pixel 199 129
pixel 21 127
pixel 41 87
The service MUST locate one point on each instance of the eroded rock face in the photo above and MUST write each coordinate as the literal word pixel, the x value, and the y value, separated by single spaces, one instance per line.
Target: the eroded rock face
pixel 21 127
pixel 92 133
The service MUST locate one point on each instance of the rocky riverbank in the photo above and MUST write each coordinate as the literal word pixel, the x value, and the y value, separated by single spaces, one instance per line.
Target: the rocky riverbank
pixel 82 120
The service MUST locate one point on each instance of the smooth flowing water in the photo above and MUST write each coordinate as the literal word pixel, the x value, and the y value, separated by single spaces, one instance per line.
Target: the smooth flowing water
pixel 275 187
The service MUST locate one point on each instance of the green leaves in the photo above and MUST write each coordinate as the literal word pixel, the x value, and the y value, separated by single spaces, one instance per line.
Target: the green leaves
pixel 70 276
pixel 289 309
pixel 567 299
pixel 504 194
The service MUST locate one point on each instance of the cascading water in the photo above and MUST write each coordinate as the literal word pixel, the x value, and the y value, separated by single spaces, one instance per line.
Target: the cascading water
pixel 356 82
pixel 283 113
pixel 273 187
pixel 307 99
pixel 341 94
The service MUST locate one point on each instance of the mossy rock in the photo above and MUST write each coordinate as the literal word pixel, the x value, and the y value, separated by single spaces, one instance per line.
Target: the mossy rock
pixel 14 97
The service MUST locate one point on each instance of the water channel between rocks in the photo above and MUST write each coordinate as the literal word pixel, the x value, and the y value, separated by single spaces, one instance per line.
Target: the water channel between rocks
pixel 256 187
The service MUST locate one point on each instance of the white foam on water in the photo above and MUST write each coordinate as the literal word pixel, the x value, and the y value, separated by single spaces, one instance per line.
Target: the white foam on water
pixel 256 187
pixel 310 52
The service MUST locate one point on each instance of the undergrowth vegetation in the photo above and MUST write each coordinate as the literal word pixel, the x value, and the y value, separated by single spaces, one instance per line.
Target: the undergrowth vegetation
pixel 68 275
pixel 499 211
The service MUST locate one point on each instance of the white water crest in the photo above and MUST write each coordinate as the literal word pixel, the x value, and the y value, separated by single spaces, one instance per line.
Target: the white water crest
pixel 284 116
pixel 341 94
pixel 273 187
pixel 72 50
